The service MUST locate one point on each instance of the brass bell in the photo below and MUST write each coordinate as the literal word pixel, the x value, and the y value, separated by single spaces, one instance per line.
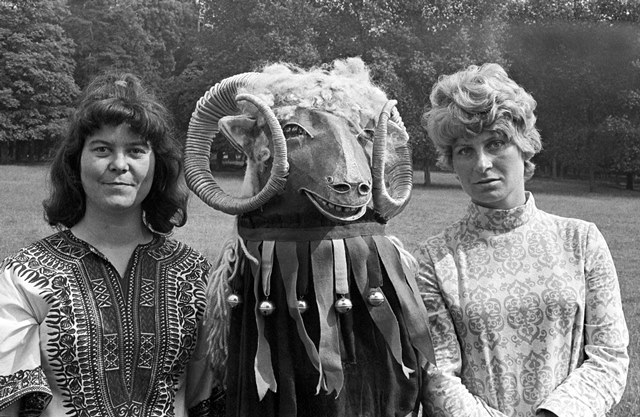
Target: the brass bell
pixel 343 305
pixel 302 305
pixel 375 297
pixel 234 300
pixel 266 307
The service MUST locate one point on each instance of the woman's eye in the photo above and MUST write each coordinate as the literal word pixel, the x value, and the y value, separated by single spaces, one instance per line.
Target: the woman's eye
pixel 138 151
pixel 496 145
pixel 293 130
pixel 466 151
pixel 100 149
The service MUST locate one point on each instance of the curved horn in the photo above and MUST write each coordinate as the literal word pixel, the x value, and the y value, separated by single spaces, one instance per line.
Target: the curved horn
pixel 219 101
pixel 401 175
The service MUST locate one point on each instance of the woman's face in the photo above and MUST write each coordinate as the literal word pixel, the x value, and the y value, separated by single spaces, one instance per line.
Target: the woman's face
pixel 490 170
pixel 116 170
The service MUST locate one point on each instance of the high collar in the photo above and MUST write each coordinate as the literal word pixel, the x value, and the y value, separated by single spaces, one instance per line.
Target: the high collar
pixel 501 220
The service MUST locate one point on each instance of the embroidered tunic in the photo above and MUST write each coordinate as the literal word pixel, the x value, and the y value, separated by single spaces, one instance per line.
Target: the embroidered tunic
pixel 78 340
pixel 525 313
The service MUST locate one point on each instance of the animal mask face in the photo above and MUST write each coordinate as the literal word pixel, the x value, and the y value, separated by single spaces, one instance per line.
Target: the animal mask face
pixel 326 163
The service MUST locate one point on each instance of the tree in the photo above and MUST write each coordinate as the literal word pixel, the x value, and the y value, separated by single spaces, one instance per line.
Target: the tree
pixel 152 39
pixel 576 72
pixel 242 36
pixel 36 82
pixel 624 157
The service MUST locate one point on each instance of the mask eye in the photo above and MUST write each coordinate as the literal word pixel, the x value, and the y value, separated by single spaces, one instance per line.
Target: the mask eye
pixel 367 135
pixel 294 130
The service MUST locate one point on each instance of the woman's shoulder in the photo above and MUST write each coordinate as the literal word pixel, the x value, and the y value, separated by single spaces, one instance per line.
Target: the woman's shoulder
pixel 172 246
pixel 44 256
pixel 567 224
pixel 36 247
pixel 443 242
pixel 446 235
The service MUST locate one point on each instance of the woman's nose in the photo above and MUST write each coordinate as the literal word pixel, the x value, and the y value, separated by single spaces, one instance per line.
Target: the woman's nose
pixel 484 161
pixel 119 162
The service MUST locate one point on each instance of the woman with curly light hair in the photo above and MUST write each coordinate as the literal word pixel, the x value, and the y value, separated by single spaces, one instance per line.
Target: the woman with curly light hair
pixel 524 306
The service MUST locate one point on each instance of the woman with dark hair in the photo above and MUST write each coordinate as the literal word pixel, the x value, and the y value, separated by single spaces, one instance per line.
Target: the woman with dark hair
pixel 524 306
pixel 103 317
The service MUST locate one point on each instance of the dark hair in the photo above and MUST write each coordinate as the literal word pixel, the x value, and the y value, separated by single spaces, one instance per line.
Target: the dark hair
pixel 113 99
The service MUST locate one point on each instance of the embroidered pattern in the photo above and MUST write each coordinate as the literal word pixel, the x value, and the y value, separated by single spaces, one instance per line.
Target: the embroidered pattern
pixel 105 330
pixel 110 352
pixel 30 383
pixel 514 296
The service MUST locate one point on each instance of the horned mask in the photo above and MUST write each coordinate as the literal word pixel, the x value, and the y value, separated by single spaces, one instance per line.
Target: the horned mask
pixel 332 155
pixel 328 164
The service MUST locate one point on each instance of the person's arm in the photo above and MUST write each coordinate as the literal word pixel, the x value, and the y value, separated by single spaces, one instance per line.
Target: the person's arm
pixel 204 398
pixel 444 394
pixel 20 367
pixel 596 385
pixel 11 410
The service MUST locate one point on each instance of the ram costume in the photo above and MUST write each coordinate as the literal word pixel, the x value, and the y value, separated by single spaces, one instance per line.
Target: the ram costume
pixel 313 311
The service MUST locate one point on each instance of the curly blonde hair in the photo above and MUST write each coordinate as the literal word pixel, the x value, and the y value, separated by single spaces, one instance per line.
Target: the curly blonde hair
pixel 480 99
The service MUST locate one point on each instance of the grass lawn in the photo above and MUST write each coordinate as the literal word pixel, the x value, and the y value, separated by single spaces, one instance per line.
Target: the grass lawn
pixel 615 211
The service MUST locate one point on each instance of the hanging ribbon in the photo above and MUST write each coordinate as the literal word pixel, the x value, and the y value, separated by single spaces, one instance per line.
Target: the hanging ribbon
pixel 329 348
pixel 267 266
pixel 382 315
pixel 340 267
pixel 412 308
pixel 263 368
pixel 409 272
pixel 288 263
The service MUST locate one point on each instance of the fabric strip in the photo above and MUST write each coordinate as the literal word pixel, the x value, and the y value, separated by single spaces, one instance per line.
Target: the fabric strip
pixel 382 315
pixel 415 312
pixel 267 266
pixel 302 251
pixel 263 368
pixel 329 349
pixel 340 267
pixel 288 263
pixel 374 270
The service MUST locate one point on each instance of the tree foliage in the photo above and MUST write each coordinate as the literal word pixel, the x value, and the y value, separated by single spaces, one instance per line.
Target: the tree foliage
pixel 149 38
pixel 576 71
pixel 574 56
pixel 36 70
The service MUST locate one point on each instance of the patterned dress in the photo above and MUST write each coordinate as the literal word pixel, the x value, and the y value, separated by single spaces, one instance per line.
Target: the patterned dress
pixel 525 313
pixel 78 340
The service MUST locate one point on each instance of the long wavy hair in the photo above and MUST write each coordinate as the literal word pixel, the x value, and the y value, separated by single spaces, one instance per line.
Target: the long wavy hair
pixel 479 99
pixel 112 99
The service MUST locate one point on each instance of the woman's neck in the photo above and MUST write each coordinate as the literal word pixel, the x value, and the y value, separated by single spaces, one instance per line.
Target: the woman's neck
pixel 112 231
pixel 116 237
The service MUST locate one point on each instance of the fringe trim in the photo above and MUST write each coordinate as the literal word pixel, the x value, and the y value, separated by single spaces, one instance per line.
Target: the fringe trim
pixel 329 261
pixel 217 316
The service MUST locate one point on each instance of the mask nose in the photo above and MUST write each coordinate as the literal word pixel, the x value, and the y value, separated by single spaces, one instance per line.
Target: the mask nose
pixel 344 187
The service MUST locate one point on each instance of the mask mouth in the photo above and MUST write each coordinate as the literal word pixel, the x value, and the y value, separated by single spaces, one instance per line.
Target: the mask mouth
pixel 334 211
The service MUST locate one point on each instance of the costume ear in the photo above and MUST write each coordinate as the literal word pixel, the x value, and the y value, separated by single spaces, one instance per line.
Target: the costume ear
pixel 239 130
pixel 397 134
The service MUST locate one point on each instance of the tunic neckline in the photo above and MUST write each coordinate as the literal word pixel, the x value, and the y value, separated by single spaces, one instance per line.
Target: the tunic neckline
pixel 88 247
pixel 501 220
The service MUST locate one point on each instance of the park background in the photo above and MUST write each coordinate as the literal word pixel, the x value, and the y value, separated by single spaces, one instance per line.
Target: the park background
pixel 580 59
